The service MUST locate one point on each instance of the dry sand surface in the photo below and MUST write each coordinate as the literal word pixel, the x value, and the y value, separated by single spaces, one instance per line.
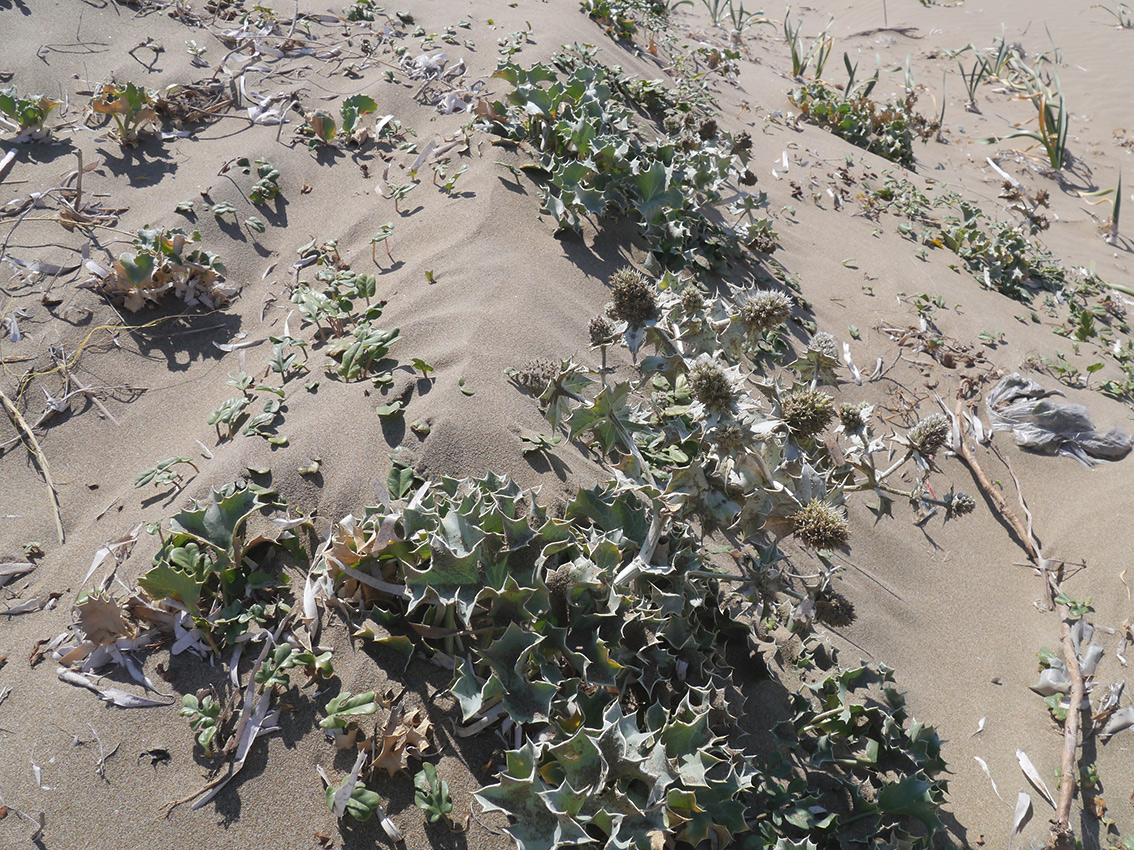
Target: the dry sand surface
pixel 478 281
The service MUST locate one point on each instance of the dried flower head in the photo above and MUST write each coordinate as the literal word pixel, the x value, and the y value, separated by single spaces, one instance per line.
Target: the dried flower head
pixel 929 435
pixel 961 505
pixel 710 385
pixel 854 416
pixel 763 243
pixel 535 377
pixel 748 178
pixel 673 124
pixel 730 437
pixel 692 299
pixel 807 412
pixel 601 331
pixel 834 609
pixel 708 129
pixel 821 526
pixel 764 309
pixel 635 298
pixel 742 144
pixel 825 344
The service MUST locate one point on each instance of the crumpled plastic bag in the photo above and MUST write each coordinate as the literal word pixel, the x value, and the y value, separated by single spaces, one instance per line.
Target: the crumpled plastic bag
pixel 1041 424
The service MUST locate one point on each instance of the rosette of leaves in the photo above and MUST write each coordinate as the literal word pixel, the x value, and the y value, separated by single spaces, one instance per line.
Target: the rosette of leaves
pixel 164 262
pixel 204 715
pixel 25 116
pixel 205 564
pixel 131 106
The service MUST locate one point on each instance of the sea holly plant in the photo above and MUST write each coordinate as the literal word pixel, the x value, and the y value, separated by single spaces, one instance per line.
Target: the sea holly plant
pixel 25 116
pixel 208 570
pixel 131 106
pixel 595 160
pixel 610 639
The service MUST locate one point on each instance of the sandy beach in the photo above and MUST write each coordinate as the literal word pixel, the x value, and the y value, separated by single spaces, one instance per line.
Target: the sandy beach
pixel 449 215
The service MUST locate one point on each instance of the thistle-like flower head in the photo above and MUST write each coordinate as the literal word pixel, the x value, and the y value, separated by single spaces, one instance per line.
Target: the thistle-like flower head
pixel 635 298
pixel 712 384
pixel 929 435
pixel 807 412
pixel 601 331
pixel 763 309
pixel 825 344
pixel 819 525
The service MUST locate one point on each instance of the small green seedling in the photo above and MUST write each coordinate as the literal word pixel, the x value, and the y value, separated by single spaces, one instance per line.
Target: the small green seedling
pixel 267 187
pixel 164 473
pixel 361 806
pixel 353 109
pixel 132 108
pixel 431 794
pixel 398 193
pixel 344 710
pixel 203 716
pixel 25 115
pixel 382 237
pixel 539 442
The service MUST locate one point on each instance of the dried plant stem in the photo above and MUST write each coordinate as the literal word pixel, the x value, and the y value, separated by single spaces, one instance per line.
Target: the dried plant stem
pixel 1062 836
pixel 22 425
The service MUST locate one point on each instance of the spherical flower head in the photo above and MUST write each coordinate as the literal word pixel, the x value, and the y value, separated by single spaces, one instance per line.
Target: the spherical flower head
pixel 825 344
pixel 601 331
pixel 821 526
pixel 711 386
pixel 853 417
pixel 535 377
pixel 742 144
pixel 692 299
pixel 673 124
pixel 764 309
pixel 635 298
pixel 708 129
pixel 961 505
pixel 929 435
pixel 807 412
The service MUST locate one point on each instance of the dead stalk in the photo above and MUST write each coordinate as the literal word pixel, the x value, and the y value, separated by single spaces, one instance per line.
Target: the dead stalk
pixel 22 425
pixel 1062 836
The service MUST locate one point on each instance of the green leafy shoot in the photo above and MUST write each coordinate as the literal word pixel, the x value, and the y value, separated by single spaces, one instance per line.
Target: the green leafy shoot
pixel 132 108
pixel 267 186
pixel 431 794
pixel 204 715
pixel 25 115
pixel 353 108
pixel 164 473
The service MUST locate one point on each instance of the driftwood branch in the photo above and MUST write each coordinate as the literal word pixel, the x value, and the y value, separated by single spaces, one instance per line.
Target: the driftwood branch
pixel 1062 836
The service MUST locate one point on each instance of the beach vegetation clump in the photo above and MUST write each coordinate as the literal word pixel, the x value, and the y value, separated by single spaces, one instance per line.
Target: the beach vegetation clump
pixel 25 116
pixel 163 262
pixel 132 107
pixel 595 161
pixel 886 129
